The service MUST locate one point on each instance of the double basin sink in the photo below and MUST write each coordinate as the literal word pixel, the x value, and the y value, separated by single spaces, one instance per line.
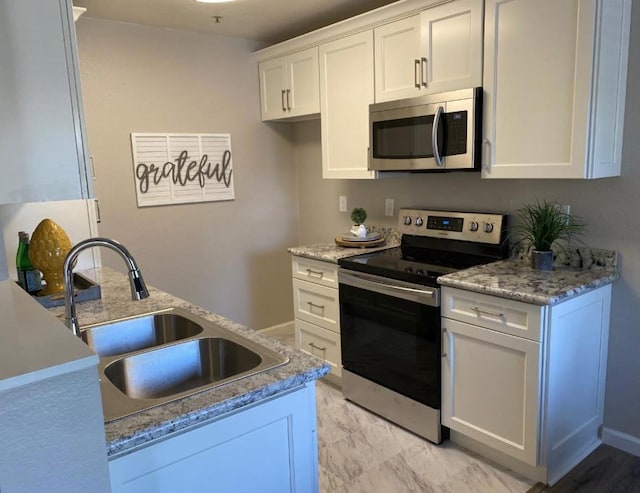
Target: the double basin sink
pixel 151 359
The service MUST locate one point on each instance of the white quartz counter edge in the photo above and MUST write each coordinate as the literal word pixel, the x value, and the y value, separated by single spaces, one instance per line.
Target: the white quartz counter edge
pixel 126 434
pixel 35 346
pixel 516 280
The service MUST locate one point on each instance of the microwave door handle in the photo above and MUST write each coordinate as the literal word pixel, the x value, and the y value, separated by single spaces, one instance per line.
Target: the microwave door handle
pixel 434 136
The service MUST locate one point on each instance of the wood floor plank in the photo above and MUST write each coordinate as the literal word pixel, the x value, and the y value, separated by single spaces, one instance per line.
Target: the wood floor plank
pixel 605 470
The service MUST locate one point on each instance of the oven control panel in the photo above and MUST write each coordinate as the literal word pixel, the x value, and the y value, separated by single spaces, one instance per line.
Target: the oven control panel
pixel 478 227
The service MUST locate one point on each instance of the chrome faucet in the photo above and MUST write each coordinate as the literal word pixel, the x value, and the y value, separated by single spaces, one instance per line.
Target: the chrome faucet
pixel 138 288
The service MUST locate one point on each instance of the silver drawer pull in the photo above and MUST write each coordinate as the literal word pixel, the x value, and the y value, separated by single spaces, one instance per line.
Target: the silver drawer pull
pixel 313 305
pixel 311 272
pixel 488 312
pixel 319 348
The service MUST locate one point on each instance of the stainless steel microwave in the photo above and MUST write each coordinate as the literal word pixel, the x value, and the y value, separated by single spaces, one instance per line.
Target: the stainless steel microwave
pixel 435 132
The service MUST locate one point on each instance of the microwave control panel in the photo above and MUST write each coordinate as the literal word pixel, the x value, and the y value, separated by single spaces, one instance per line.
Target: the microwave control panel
pixel 479 227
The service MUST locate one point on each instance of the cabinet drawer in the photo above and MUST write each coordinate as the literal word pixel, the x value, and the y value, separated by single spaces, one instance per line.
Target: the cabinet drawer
pixel 316 271
pixel 316 304
pixel 507 316
pixel 320 342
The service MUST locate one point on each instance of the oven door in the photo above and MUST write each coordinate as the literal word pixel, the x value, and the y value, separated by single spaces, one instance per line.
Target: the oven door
pixel 390 334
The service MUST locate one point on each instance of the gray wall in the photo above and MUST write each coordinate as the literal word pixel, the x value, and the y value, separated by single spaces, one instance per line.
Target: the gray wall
pixel 610 206
pixel 229 257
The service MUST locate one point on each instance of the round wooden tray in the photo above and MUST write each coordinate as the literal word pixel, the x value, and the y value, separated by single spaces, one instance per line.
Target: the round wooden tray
pixel 359 244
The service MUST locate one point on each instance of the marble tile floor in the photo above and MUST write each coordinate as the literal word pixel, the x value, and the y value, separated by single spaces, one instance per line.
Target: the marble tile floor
pixel 359 452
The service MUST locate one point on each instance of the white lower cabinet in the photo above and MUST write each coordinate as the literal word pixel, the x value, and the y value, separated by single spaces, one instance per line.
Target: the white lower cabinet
pixel 492 387
pixel 268 447
pixel 317 311
pixel 524 384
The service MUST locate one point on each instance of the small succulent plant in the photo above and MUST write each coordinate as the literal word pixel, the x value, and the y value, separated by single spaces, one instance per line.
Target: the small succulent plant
pixel 358 215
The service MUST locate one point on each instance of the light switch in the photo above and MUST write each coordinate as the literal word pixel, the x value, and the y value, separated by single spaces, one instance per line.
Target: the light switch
pixel 388 207
pixel 343 203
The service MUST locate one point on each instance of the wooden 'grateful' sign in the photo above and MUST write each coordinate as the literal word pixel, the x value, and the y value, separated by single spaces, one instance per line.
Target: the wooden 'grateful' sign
pixel 182 168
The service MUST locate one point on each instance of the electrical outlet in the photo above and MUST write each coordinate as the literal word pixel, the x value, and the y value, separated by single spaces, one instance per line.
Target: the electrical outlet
pixel 566 208
pixel 343 203
pixel 388 207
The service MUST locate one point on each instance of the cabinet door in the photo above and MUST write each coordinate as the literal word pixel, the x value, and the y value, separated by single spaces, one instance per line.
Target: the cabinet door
pixel 274 440
pixel 490 388
pixel 321 343
pixel 452 46
pixel 545 114
pixel 272 89
pixel 303 83
pixel 42 137
pixel 397 63
pixel 346 91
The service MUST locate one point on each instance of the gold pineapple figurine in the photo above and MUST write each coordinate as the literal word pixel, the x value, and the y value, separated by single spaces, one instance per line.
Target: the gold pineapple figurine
pixel 49 247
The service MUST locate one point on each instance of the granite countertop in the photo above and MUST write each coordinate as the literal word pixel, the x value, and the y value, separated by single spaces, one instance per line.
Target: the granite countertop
pixel 125 434
pixel 516 280
pixel 330 252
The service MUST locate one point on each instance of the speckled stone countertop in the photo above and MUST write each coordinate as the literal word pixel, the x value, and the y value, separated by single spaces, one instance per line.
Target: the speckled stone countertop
pixel 515 279
pixel 125 434
pixel 330 252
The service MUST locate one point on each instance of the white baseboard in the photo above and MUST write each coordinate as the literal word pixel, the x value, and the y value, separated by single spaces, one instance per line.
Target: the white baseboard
pixel 285 328
pixel 623 441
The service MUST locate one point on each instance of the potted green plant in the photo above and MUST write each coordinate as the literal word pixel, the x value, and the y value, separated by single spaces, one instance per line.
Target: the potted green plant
pixel 359 216
pixel 542 224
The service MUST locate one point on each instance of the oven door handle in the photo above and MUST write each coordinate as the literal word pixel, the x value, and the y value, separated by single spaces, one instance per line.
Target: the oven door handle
pixel 380 285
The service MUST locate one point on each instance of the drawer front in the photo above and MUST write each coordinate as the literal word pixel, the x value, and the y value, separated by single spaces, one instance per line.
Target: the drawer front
pixel 500 314
pixel 316 304
pixel 316 271
pixel 320 342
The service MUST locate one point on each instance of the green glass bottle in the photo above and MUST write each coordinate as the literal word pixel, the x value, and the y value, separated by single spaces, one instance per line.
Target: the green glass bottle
pixel 29 278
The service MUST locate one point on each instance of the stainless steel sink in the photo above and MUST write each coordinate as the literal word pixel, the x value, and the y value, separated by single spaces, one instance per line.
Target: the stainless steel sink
pixel 181 367
pixel 134 333
pixel 157 357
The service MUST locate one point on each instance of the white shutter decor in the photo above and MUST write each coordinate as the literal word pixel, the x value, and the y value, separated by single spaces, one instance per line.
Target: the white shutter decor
pixel 182 168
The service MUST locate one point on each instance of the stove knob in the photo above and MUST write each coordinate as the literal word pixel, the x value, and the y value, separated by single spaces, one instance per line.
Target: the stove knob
pixel 407 220
pixel 488 228
pixel 473 226
pixel 419 221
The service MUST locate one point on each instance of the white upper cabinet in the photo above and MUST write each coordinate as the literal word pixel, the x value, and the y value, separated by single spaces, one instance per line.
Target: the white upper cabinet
pixel 42 138
pixel 555 84
pixel 397 64
pixel 438 50
pixel 346 91
pixel 289 85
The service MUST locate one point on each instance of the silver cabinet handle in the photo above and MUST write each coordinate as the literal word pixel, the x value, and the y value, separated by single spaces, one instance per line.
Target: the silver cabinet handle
pixel 434 136
pixel 444 333
pixel 423 70
pixel 416 73
pixel 93 168
pixel 319 348
pixel 315 272
pixel 284 107
pixel 313 305
pixel 289 99
pixel 487 312
pixel 489 154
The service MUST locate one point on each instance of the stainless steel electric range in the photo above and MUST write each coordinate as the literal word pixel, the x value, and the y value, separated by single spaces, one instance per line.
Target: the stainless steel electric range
pixel 390 313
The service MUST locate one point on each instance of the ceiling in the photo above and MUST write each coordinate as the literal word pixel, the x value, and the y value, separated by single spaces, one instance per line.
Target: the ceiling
pixel 269 21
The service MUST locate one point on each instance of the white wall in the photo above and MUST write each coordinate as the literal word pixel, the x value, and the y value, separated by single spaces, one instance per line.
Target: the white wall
pixel 610 207
pixel 229 257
